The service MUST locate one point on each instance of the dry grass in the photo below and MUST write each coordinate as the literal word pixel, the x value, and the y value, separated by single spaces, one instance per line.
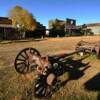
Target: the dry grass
pixel 13 85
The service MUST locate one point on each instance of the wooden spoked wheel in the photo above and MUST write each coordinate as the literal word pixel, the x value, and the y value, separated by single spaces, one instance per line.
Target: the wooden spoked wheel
pixel 23 62
pixel 40 87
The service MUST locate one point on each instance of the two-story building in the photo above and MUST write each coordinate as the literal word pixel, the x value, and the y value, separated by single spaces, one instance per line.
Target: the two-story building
pixel 68 26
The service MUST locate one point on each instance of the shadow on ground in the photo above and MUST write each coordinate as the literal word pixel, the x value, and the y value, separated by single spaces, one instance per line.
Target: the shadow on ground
pixel 94 84
pixel 74 68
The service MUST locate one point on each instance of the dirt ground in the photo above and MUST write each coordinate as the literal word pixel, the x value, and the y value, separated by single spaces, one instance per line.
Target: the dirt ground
pixel 85 87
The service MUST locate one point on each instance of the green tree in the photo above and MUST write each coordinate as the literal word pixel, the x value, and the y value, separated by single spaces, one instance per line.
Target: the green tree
pixel 58 28
pixel 22 19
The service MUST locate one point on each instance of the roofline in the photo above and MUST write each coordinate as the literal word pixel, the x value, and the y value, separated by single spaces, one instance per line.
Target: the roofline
pixel 6 26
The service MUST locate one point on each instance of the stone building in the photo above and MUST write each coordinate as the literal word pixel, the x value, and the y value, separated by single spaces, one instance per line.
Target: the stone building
pixel 95 28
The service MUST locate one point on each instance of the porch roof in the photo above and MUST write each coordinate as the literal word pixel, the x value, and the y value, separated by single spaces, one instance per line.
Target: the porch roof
pixel 6 26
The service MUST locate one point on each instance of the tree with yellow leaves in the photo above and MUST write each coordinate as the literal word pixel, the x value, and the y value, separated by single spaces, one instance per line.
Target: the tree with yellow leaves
pixel 22 19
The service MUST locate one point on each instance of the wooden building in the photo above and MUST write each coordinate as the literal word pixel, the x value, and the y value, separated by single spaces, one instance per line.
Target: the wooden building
pixel 7 30
pixel 39 32
pixel 66 27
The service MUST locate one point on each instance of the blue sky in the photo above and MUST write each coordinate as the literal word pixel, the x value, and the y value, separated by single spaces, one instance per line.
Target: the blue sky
pixel 84 11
